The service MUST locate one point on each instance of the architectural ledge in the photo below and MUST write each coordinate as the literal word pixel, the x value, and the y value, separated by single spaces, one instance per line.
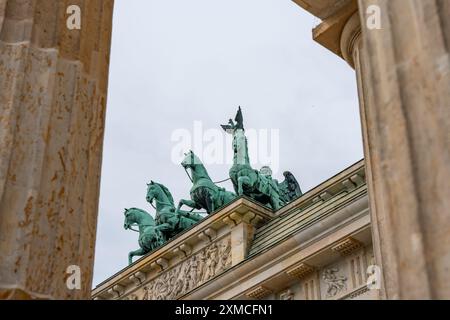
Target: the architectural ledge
pixel 259 292
pixel 246 251
pixel 224 225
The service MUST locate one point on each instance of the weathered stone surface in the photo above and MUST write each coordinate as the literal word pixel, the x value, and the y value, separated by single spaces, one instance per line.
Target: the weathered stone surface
pixel 403 75
pixel 52 106
pixel 408 118
pixel 291 254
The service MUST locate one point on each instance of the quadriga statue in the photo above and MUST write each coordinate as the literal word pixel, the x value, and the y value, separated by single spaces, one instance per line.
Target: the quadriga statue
pixel 205 194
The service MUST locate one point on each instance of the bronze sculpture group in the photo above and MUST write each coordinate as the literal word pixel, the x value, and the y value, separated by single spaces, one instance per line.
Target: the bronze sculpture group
pixel 205 194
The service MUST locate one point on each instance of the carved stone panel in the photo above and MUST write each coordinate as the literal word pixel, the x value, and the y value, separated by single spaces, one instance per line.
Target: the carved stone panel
pixel 286 295
pixel 199 268
pixel 334 282
pixel 358 266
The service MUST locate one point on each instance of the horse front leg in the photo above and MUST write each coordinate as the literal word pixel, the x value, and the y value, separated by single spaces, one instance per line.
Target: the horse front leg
pixel 241 182
pixel 189 203
pixel 189 214
pixel 210 204
pixel 138 252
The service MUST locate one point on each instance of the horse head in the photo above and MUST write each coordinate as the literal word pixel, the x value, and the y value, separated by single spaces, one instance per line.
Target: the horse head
pixel 152 191
pixel 190 160
pixel 158 192
pixel 130 219
pixel 135 216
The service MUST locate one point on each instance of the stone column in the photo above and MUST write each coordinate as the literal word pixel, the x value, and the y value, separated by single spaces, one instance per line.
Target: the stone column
pixel 404 86
pixel 53 88
pixel 351 48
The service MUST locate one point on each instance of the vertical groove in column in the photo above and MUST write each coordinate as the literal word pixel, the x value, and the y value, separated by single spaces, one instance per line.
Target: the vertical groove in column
pixel 12 65
pixel 100 67
pixel 374 125
pixel 69 40
pixel 2 12
pixel 407 197
pixel 44 24
pixel 54 182
pixel 90 33
pixel 49 214
pixel 90 204
pixel 15 29
pixel 18 22
pixel 105 45
pixel 380 239
pixel 18 204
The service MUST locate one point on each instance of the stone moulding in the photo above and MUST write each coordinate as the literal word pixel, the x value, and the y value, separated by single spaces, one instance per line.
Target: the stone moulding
pixel 190 243
pixel 301 270
pixel 355 293
pixel 259 292
pixel 138 278
pixel 346 182
pixel 347 246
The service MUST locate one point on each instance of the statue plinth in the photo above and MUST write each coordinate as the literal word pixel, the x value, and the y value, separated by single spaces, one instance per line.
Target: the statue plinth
pixel 192 258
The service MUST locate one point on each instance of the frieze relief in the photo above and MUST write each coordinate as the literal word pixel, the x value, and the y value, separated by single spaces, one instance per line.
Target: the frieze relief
pixel 287 295
pixel 191 273
pixel 335 281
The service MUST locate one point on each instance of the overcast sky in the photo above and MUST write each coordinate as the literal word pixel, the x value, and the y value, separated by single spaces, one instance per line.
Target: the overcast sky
pixel 175 62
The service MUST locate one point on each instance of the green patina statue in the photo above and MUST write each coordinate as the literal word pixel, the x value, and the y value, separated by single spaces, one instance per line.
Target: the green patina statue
pixel 257 185
pixel 289 188
pixel 150 237
pixel 169 220
pixel 204 193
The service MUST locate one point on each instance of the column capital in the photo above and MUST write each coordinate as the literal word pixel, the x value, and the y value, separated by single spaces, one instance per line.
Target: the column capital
pixel 350 38
pixel 335 27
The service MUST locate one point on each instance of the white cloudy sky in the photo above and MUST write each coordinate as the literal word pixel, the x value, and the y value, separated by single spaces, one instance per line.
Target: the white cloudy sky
pixel 174 62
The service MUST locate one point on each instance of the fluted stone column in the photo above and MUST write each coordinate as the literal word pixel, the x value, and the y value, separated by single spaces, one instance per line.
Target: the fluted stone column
pixel 53 86
pixel 404 89
pixel 352 51
pixel 405 80
pixel 403 76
